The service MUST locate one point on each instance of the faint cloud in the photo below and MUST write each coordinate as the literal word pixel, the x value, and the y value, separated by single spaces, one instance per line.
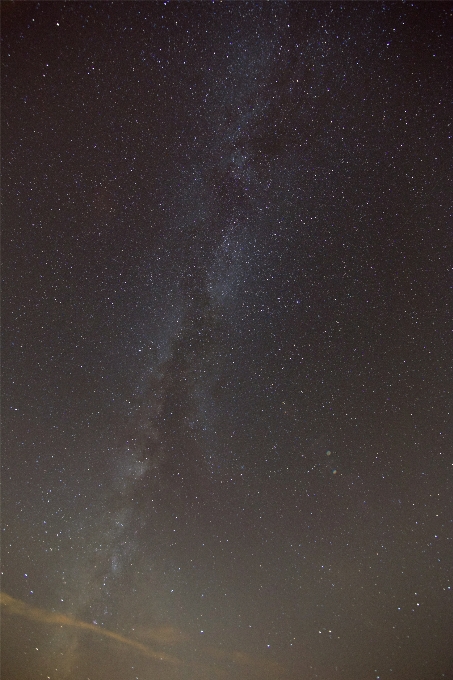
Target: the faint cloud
pixel 163 635
pixel 22 609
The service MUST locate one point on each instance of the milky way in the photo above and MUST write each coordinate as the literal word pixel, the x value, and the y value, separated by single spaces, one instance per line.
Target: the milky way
pixel 226 341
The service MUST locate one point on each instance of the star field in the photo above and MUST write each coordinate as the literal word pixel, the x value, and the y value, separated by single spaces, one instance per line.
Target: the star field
pixel 227 357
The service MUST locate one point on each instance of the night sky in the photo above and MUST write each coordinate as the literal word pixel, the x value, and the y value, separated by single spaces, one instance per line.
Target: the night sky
pixel 227 353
